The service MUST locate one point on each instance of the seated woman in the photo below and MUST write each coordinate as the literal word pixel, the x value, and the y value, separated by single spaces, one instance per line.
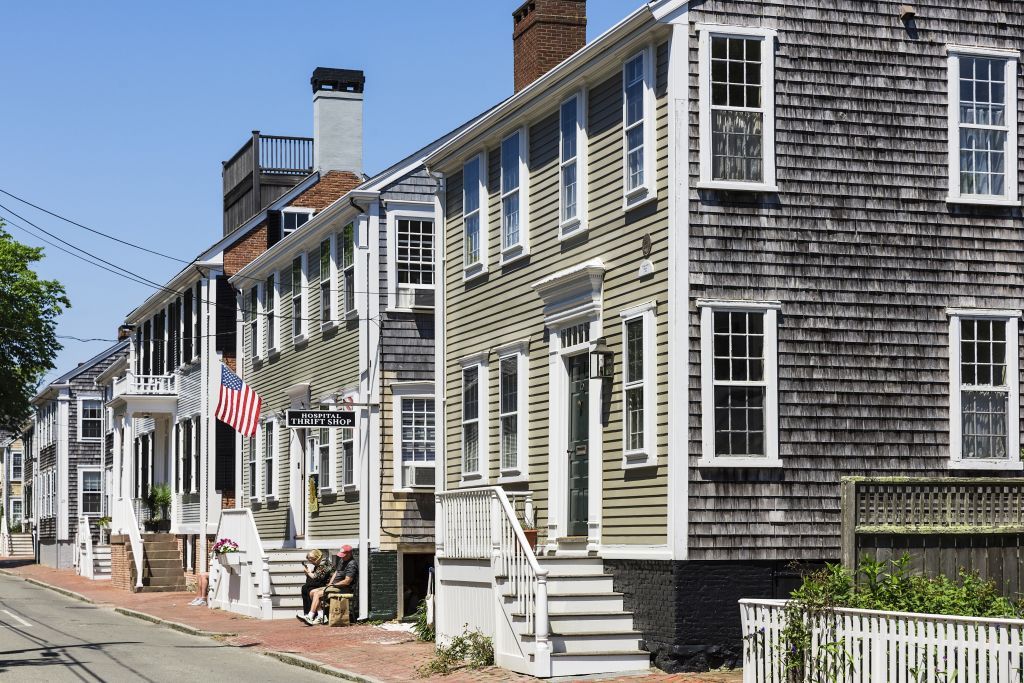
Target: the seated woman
pixel 318 571
pixel 343 580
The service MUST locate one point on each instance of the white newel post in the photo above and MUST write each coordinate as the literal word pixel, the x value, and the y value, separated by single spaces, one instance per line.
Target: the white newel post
pixel 266 607
pixel 542 657
pixel 439 526
pixel 496 515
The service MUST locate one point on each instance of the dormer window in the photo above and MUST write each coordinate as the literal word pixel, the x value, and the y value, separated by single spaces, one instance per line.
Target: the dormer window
pixel 293 219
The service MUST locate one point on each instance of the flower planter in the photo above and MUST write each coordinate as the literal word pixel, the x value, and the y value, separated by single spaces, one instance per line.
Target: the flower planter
pixel 531 537
pixel 229 561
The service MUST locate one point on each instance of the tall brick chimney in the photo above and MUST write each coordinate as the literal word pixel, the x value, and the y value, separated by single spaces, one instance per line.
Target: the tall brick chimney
pixel 546 33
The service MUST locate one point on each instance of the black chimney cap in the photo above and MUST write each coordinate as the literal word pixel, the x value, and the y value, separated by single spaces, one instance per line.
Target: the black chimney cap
pixel 347 80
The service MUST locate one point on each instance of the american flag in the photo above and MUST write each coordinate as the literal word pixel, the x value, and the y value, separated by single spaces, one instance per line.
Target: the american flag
pixel 238 405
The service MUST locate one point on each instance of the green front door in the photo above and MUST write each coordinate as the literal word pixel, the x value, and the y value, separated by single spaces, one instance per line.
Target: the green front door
pixel 579 438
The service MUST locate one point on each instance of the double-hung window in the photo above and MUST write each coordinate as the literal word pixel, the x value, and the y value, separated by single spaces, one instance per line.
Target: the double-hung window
pixel 474 219
pixel 474 417
pixel 323 454
pixel 737 100
pixel 251 466
pixel 201 307
pixel 270 311
pixel 638 386
pixel 293 220
pixel 638 126
pixel 16 466
pixel 326 282
pixel 739 384
pixel 348 267
pixel 572 143
pixel 251 316
pixel 513 386
pixel 514 173
pixel 91 492
pixel 298 298
pixel 415 259
pixel 90 422
pixel 269 450
pixel 983 125
pixel 984 389
pixel 348 465
pixel 418 445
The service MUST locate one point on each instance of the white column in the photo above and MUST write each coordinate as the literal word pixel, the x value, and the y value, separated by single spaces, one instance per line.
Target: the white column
pixel 64 430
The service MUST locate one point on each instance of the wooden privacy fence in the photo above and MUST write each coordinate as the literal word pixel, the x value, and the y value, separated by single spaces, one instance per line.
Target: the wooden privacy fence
pixel 858 646
pixel 944 524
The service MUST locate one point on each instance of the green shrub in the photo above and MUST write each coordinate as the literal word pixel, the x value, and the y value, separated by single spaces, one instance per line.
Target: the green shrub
pixel 420 627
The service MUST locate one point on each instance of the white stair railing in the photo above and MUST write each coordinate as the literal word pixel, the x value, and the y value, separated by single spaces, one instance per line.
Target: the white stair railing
pixel 6 544
pixel 127 523
pixel 83 549
pixel 481 523
pixel 240 527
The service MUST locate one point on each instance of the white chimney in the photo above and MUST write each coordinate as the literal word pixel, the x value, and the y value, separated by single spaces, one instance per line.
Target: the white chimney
pixel 337 119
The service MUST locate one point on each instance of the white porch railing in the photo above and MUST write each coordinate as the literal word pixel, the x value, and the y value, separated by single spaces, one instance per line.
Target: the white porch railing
pixel 127 523
pixel 146 385
pixel 246 588
pixel 83 549
pixel 188 508
pixel 857 646
pixel 481 524
pixel 6 545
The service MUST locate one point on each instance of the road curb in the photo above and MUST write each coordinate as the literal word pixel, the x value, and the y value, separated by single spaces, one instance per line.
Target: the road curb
pixel 176 625
pixel 313 665
pixel 57 589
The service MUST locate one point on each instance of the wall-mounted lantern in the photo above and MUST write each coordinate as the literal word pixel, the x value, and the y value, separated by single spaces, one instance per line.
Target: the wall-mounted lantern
pixel 601 360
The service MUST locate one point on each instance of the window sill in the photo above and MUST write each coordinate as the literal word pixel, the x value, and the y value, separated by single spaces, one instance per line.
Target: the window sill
pixel 350 488
pixel 273 354
pixel 473 272
pixel 514 253
pixel 253 500
pixel 329 490
pixel 271 498
pixel 475 479
pixel 512 476
pixel 736 186
pixel 300 341
pixel 1005 465
pixel 413 309
pixel 638 197
pixel 739 463
pixel 328 326
pixel 982 201
pixel 632 460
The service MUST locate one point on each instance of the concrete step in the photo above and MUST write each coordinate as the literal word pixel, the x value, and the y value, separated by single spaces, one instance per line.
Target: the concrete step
pixel 589 664
pixel 570 623
pixel 577 566
pixel 597 583
pixel 612 641
pixel 584 602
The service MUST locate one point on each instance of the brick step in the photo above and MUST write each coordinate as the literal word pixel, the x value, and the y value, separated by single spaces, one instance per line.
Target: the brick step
pixel 163 571
pixel 163 589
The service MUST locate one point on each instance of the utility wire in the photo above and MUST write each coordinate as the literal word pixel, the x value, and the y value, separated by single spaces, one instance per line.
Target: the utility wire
pixel 97 232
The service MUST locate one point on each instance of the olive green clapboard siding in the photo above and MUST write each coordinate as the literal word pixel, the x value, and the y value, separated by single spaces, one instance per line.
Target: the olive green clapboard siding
pixel 329 361
pixel 501 307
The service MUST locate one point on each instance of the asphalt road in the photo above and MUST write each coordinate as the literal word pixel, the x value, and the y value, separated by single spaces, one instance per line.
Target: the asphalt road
pixel 45 636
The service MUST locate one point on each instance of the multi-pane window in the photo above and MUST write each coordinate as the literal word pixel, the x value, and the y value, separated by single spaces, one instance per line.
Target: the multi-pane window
pixel 186 456
pixel 298 293
pixel 16 515
pixel 268 458
pixel 415 259
pixel 471 419
pixel 471 174
pixel 418 441
pixel 251 466
pixel 187 329
pixel 739 384
pixel 633 80
pixel 92 492
pixel 737 94
pixel 292 221
pixel 198 330
pixel 323 454
pixel 16 466
pixel 348 473
pixel 634 384
pixel 508 389
pixel 986 121
pixel 984 389
pixel 326 282
pixel 269 308
pixel 569 157
pixel 250 318
pixel 91 419
pixel 511 162
pixel 348 267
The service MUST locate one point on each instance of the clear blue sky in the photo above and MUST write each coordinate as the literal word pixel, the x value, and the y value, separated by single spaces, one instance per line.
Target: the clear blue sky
pixel 118 114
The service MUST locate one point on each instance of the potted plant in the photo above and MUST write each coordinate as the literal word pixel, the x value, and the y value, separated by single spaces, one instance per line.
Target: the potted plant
pixel 104 525
pixel 530 530
pixel 159 501
pixel 226 552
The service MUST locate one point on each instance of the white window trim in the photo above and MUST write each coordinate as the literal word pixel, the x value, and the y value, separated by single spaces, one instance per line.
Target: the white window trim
pixel 578 225
pixel 255 326
pixel 648 455
pixel 274 457
pixel 519 350
pixel 956 461
pixel 81 471
pixel 416 211
pixel 1012 57
pixel 338 470
pixel 275 297
pixel 295 209
pixel 253 462
pixel 520 249
pixel 303 336
pixel 705 33
pixel 81 400
pixel 338 266
pixel 482 473
pixel 648 190
pixel 20 477
pixel 771 375
pixel 470 271
pixel 400 391
pixel 332 282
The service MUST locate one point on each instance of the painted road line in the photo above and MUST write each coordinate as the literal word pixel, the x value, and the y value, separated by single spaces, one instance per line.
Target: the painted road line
pixel 16 617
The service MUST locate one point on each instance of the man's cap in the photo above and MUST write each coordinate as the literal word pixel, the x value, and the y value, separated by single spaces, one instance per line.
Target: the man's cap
pixel 344 549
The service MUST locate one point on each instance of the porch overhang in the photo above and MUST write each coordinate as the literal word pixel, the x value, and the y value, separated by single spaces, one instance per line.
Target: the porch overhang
pixel 572 293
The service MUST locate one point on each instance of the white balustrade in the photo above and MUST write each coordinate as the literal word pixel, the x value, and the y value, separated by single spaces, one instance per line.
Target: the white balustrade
pixel 858 646
pixel 127 523
pixel 6 543
pixel 83 549
pixel 146 385
pixel 251 594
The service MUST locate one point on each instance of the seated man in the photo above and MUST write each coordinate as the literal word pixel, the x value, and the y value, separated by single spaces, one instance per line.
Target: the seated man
pixel 344 580
pixel 317 569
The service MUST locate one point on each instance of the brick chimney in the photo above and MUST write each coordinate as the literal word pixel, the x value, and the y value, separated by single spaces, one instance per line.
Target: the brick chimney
pixel 546 33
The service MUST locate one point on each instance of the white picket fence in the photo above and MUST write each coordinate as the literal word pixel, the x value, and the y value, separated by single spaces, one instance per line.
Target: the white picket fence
pixel 857 646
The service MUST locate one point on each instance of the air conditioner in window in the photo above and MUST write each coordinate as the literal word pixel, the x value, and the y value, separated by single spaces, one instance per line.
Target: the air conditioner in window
pixel 418 475
pixel 415 297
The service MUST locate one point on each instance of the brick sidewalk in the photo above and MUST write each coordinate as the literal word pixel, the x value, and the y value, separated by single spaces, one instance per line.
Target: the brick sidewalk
pixel 364 650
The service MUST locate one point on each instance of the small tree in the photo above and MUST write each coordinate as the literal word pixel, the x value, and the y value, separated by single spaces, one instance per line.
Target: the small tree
pixel 28 322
